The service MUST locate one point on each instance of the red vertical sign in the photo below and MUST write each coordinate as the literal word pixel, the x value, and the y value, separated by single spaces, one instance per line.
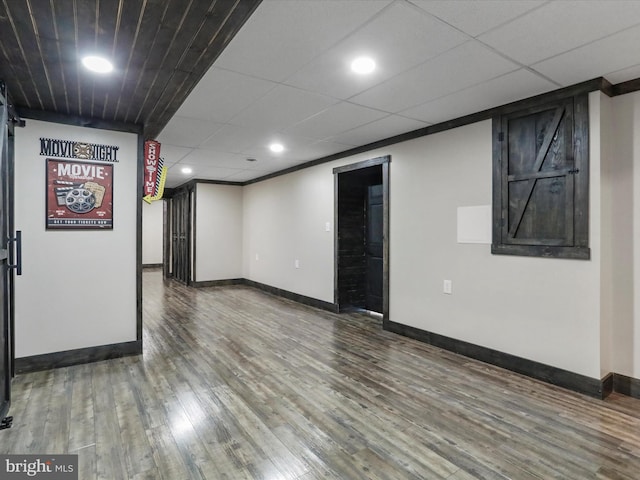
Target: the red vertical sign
pixel 151 167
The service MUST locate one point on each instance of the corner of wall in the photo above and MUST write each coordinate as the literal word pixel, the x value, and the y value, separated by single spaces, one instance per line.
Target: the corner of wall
pixel 601 186
pixel 623 181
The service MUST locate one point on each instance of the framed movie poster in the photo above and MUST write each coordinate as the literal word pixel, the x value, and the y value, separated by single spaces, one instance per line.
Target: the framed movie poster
pixel 79 195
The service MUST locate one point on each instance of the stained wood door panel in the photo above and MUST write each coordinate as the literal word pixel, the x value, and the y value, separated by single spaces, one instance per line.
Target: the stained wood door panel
pixel 537 144
pixel 540 180
pixel 351 261
pixel 374 283
pixel 236 383
pixel 181 223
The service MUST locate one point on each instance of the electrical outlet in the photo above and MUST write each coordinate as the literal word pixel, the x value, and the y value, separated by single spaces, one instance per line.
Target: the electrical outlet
pixel 447 287
pixel 297 263
pixel 257 257
pixel 327 227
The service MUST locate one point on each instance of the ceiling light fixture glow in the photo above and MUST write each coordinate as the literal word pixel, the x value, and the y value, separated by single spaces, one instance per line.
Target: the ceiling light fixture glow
pixel 186 170
pixel 97 64
pixel 276 147
pixel 363 65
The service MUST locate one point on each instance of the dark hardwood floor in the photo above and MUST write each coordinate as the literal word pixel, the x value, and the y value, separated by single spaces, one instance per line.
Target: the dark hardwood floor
pixel 235 383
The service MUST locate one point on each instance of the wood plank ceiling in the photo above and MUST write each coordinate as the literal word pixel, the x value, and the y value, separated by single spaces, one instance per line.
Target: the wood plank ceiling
pixel 160 49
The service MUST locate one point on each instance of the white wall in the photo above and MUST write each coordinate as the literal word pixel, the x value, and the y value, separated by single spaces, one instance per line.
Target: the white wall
pixel 546 310
pixel 537 308
pixel 218 232
pixel 602 117
pixel 284 221
pixel 78 288
pixel 624 175
pixel 152 222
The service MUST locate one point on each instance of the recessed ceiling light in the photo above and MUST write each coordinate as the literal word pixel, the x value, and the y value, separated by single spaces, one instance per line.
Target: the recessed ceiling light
pixel 186 170
pixel 276 147
pixel 363 65
pixel 97 64
pixel 251 159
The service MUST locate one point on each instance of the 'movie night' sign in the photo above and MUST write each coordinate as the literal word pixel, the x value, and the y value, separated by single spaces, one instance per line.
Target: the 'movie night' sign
pixel 51 147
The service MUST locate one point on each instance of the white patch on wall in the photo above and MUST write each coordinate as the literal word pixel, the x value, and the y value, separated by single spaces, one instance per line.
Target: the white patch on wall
pixel 474 224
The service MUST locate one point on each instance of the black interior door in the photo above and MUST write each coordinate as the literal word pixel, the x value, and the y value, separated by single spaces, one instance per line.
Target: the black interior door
pixel 181 236
pixel 374 247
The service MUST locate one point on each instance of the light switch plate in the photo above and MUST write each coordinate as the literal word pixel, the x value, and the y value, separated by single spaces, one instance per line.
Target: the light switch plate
pixel 447 287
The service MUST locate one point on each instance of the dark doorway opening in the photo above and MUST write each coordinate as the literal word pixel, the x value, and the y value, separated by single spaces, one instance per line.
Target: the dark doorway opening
pixel 362 226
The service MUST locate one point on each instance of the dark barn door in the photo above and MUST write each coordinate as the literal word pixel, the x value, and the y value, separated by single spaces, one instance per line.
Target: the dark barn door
pixel 181 236
pixel 541 181
pixel 373 249
pixel 7 249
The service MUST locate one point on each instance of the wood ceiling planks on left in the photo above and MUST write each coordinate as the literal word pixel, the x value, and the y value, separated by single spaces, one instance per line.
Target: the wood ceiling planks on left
pixel 161 50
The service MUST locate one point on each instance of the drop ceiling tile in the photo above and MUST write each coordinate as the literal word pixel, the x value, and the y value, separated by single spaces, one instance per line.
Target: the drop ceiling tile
pixel 282 35
pixel 199 171
pixel 282 107
pixel 234 138
pixel 187 132
pixel 292 144
pixel 271 165
pixel 498 91
pixel 197 157
pixel 613 53
pixel 222 94
pixel 210 158
pixel 624 75
pixel 474 17
pixel 260 165
pixel 557 27
pixel 394 49
pixel 244 175
pixel 287 163
pixel 214 173
pixel 335 119
pixel 175 176
pixel 319 149
pixel 174 180
pixel 466 65
pixel 386 127
pixel 172 153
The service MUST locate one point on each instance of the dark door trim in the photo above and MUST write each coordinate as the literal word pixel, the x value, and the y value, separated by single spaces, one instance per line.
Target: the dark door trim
pixel 384 165
pixel 372 162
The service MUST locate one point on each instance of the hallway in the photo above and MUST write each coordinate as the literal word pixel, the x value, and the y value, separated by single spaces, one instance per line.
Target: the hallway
pixel 235 384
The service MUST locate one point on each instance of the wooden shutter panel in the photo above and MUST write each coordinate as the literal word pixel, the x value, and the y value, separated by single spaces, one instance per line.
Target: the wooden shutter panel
pixel 540 178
